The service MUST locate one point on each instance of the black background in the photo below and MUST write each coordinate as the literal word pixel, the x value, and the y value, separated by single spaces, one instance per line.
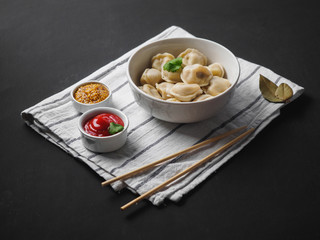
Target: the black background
pixel 270 190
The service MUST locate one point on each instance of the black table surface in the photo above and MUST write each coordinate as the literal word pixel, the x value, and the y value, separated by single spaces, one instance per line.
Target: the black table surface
pixel 270 190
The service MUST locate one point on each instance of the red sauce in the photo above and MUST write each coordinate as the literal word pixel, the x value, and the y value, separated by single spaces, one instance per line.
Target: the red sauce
pixel 98 125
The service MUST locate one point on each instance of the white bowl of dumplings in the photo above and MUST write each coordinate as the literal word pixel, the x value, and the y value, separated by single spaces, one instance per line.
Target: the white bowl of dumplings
pixel 197 91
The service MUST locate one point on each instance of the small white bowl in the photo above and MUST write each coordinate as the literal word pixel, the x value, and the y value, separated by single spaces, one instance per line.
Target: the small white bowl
pixel 103 144
pixel 182 112
pixel 83 107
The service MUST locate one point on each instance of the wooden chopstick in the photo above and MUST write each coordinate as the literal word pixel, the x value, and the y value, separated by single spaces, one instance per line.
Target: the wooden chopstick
pixel 150 165
pixel 192 167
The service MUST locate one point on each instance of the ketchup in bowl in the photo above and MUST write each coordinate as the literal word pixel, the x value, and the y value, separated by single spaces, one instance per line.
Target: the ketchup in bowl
pixel 104 124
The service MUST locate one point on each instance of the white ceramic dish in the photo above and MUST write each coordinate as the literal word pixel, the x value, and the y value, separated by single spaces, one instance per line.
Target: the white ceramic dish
pixel 82 107
pixel 103 144
pixel 182 112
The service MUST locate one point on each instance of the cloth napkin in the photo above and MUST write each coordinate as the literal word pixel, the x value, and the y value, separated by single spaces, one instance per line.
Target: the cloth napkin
pixel 150 139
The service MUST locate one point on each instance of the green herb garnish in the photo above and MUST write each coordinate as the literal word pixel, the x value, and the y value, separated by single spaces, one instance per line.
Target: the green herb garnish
pixel 173 65
pixel 115 128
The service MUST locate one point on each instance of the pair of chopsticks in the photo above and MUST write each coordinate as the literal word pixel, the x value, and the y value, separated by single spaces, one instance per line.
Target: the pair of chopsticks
pixel 180 174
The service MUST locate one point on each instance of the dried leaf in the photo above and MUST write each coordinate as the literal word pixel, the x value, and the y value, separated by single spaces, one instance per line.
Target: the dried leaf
pixel 268 89
pixel 284 92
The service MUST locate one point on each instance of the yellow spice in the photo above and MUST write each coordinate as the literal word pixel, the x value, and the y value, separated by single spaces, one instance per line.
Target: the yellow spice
pixel 91 93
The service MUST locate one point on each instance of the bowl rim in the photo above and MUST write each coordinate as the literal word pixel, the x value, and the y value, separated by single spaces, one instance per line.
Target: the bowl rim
pixel 100 110
pixel 89 104
pixel 177 39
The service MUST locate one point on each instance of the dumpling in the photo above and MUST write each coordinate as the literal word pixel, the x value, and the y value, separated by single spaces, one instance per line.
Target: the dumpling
pixel 151 76
pixel 196 73
pixel 192 56
pixel 185 92
pixel 171 77
pixel 216 69
pixel 160 59
pixel 217 85
pixel 202 97
pixel 151 90
pixel 164 89
pixel 173 100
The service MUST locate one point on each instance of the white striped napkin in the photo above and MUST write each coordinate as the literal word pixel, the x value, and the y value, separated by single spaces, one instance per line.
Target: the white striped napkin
pixel 150 139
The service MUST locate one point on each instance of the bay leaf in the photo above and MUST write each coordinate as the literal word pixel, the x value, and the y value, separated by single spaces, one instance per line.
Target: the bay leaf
pixel 268 89
pixel 284 92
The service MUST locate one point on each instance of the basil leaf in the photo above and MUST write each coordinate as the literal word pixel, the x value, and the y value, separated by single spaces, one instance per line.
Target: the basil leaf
pixel 173 65
pixel 114 128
